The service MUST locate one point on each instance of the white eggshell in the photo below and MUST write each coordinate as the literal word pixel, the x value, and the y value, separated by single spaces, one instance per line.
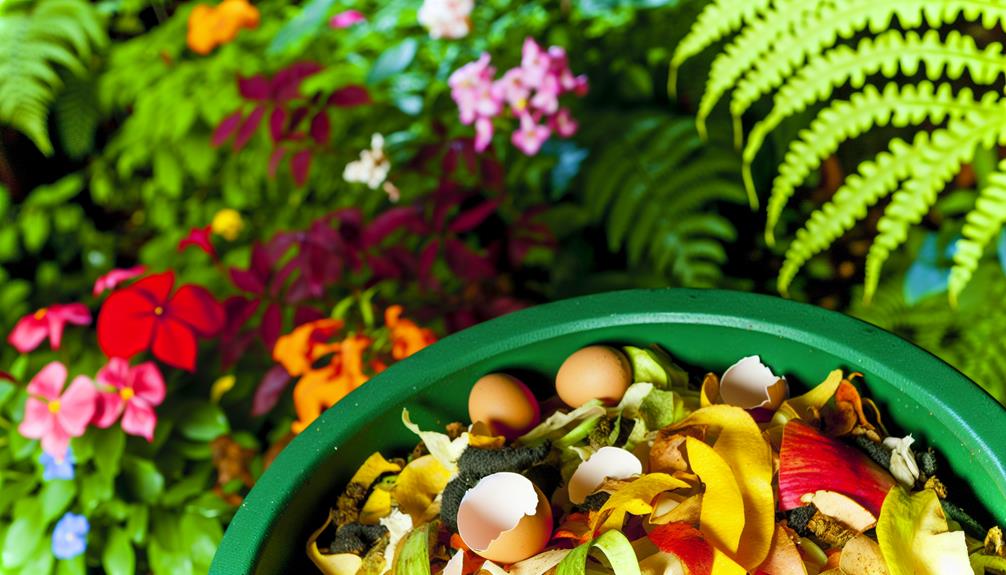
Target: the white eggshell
pixel 505 518
pixel 661 563
pixel 612 462
pixel 749 383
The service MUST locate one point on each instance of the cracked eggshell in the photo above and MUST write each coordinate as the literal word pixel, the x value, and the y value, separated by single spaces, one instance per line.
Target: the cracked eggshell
pixel 607 462
pixel 505 518
pixel 750 384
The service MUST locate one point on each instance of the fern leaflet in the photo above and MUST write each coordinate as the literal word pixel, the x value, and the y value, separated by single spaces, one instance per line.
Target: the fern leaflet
pixel 980 226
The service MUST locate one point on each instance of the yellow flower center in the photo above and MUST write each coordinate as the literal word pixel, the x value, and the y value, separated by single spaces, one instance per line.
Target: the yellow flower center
pixel 158 311
pixel 41 313
pixel 126 393
pixel 54 406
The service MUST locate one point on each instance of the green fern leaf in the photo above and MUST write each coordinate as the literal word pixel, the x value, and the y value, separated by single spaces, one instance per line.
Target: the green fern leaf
pixel 36 43
pixel 873 180
pixel 889 54
pixel 980 226
pixel 842 121
pixel 717 20
pixel 844 20
pixel 941 161
pixel 750 45
pixel 76 110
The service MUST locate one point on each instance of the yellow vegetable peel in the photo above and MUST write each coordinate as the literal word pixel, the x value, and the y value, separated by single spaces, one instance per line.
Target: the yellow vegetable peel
pixel 634 498
pixel 743 448
pixel 807 405
pixel 719 520
pixel 418 486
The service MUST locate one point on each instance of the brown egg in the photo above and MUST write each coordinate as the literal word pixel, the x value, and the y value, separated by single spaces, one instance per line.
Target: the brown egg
pixel 504 404
pixel 595 372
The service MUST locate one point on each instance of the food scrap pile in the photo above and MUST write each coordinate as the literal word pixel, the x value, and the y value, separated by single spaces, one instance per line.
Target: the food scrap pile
pixel 636 470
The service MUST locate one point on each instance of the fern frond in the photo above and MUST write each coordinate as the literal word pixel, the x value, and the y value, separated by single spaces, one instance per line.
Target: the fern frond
pixel 941 161
pixel 874 180
pixel 741 54
pixel 980 226
pixel 845 120
pixel 76 110
pixel 717 20
pixel 36 44
pixel 846 19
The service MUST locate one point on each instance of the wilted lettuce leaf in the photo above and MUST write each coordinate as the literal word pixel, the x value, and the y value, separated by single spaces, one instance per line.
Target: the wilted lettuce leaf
pixel 915 538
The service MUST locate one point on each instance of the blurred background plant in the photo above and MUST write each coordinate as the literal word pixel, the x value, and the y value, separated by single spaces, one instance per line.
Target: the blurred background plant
pixel 343 182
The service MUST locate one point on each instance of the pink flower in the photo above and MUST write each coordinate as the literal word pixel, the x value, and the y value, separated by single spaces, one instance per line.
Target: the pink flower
pixel 535 63
pixel 133 393
pixel 116 277
pixel 346 19
pixel 513 89
pixel 546 97
pixel 530 136
pixel 200 238
pixel 563 123
pixel 581 85
pixel 55 418
pixel 30 330
pixel 472 90
pixel 483 134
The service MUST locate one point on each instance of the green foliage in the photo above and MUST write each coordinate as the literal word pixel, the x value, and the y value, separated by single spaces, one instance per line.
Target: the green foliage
pixel 981 225
pixel 796 52
pixel 656 187
pixel 39 41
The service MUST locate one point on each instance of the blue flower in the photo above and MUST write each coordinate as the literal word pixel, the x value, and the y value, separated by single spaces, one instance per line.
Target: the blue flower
pixel 54 469
pixel 69 539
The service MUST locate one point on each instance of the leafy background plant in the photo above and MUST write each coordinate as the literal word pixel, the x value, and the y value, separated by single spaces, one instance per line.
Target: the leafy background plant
pixel 874 129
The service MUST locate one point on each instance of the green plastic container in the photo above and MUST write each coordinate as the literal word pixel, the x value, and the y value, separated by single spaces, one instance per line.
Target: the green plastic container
pixel 704 329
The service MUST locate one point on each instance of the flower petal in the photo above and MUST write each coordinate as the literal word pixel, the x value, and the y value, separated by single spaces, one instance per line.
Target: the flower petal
pixel 139 419
pixel 37 419
pixel 115 373
pixel 175 344
pixel 56 442
pixel 75 313
pixel 107 408
pixel 148 383
pixel 77 406
pixel 196 307
pixel 126 322
pixel 49 381
pixel 28 333
pixel 156 287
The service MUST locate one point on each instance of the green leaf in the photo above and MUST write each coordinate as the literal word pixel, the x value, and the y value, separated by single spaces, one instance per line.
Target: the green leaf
pixel 108 447
pixel 56 497
pixel 21 448
pixel 192 484
pixel 75 566
pixel 615 547
pixel 56 194
pixel 203 536
pixel 304 26
pixel 34 229
pixel 118 557
pixel 7 390
pixel 95 489
pixel 24 534
pixel 143 479
pixel 203 422
pixel 662 408
pixel 393 61
pixel 654 365
pixel 414 555
pixel 137 525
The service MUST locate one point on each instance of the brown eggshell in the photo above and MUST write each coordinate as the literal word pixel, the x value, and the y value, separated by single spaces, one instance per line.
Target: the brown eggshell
pixel 595 372
pixel 505 518
pixel 504 404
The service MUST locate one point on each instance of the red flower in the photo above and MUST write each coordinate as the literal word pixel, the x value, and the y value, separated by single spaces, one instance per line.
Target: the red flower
pixel 200 238
pixel 143 316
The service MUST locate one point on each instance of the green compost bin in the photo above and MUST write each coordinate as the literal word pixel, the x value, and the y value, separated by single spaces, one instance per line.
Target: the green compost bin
pixel 703 329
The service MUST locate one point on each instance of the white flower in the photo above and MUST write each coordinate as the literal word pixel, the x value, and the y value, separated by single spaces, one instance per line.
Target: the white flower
pixel 373 166
pixel 903 465
pixel 446 18
pixel 399 525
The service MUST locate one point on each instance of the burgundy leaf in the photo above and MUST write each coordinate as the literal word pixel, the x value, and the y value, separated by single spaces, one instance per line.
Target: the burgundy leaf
pixel 256 88
pixel 321 128
pixel 466 263
pixel 234 348
pixel 269 390
pixel 274 159
pixel 471 219
pixel 248 127
pixel 406 217
pixel 281 277
pixel 246 280
pixel 383 268
pixel 300 166
pixel 225 128
pixel 349 96
pixel 272 325
pixel 426 260
pixel 261 261
pixel 305 314
pixel 447 197
pixel 286 83
pixel 277 122
pixel 296 117
pixel 492 173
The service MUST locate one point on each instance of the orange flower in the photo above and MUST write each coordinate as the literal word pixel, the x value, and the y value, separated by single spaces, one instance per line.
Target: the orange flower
pixel 298 350
pixel 406 337
pixel 212 26
pixel 319 389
